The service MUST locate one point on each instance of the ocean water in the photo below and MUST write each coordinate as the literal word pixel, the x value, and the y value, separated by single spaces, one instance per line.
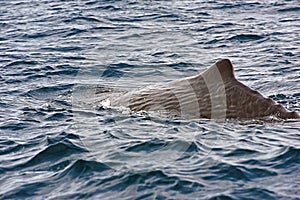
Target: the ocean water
pixel 56 142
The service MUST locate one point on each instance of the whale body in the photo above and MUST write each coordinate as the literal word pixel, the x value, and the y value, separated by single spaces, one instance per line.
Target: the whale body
pixel 213 94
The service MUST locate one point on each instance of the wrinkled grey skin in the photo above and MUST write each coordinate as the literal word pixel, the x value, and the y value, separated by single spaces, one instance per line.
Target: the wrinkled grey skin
pixel 215 93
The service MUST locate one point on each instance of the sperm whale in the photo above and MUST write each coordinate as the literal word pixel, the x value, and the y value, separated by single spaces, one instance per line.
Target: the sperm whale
pixel 213 94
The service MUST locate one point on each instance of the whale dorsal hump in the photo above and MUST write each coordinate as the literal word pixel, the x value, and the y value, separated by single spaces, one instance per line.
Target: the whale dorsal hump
pixel 221 71
pixel 226 69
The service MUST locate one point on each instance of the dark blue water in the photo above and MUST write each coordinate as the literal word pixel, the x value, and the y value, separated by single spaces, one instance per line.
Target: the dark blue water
pixel 57 143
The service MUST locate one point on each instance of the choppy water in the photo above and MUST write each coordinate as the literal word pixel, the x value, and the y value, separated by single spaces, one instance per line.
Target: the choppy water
pixel 56 143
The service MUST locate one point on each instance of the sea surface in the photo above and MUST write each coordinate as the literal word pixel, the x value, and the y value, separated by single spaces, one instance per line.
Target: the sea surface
pixel 56 142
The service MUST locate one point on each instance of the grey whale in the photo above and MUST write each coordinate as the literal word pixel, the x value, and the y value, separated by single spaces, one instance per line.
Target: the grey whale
pixel 213 94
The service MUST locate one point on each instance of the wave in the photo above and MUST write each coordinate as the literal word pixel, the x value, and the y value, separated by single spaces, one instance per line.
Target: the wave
pixel 253 193
pixel 247 37
pixel 290 9
pixel 84 168
pixel 53 153
pixel 235 172
pixel 49 91
pixel 285 158
pixel 21 63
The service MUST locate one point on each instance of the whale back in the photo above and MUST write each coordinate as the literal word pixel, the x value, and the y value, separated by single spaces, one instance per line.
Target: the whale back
pixel 213 94
pixel 203 95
